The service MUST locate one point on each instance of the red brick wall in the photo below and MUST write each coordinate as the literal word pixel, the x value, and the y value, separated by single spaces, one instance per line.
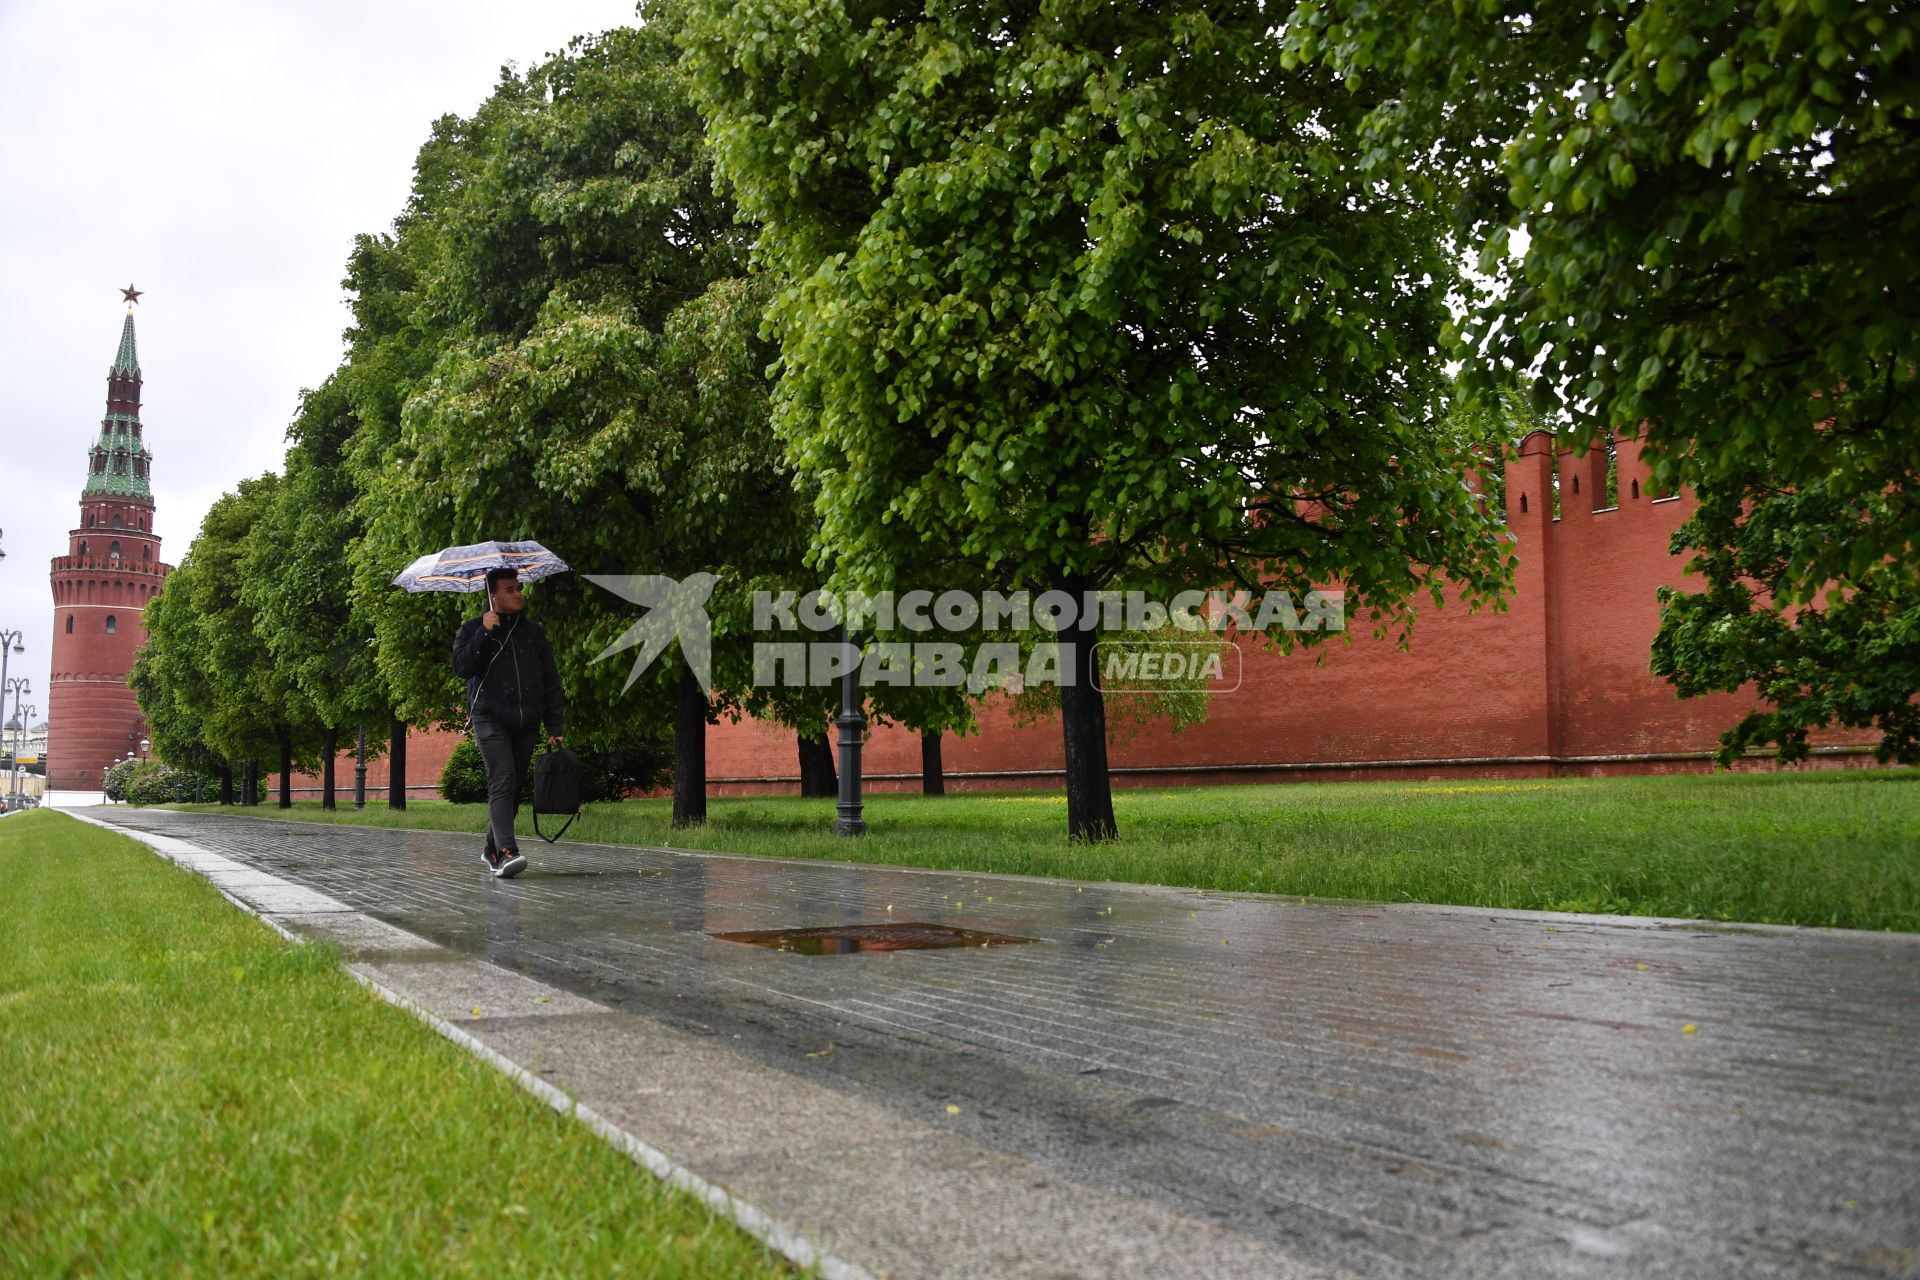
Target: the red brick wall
pixel 1556 683
pixel 1606 566
pixel 427 754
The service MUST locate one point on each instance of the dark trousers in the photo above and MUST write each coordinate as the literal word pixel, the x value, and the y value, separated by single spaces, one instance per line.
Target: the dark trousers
pixel 506 753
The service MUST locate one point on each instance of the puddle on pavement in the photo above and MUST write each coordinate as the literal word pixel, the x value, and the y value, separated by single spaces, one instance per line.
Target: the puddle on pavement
pixel 840 940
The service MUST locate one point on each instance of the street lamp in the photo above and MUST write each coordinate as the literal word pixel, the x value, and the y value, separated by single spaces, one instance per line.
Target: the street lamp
pixel 20 718
pixel 16 686
pixel 9 645
pixel 852 723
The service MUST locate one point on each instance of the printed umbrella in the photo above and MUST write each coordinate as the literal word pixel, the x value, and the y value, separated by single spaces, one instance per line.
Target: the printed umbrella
pixel 465 568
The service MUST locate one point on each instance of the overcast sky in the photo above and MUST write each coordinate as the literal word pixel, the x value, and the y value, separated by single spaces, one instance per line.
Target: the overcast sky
pixel 221 157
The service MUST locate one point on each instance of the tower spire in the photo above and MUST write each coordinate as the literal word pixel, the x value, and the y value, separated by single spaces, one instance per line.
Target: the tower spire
pixel 126 359
pixel 119 463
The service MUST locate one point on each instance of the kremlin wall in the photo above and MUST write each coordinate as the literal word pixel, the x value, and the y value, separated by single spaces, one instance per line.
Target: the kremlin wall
pixel 1555 684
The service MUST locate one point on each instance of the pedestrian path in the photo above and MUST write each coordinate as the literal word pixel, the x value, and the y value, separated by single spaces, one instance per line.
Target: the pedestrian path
pixel 1165 1082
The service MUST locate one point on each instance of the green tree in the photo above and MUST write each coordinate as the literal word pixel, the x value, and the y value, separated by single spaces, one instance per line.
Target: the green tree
pixel 594 379
pixel 297 581
pixel 1721 252
pixel 206 673
pixel 1850 658
pixel 401 325
pixel 1088 296
pixel 167 677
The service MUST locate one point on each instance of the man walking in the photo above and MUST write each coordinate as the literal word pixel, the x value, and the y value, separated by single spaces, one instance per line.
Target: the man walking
pixel 513 687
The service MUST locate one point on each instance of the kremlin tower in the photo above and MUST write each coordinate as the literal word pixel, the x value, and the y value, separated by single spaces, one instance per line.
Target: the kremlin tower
pixel 111 569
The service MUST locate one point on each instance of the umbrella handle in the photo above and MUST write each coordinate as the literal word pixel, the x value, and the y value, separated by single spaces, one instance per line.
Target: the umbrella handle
pixel 490 662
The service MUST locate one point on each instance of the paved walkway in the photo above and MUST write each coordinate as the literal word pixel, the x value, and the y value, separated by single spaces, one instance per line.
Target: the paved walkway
pixel 1169 1081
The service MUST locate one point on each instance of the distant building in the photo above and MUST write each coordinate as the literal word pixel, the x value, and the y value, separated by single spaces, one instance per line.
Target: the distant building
pixel 111 569
pixel 33 750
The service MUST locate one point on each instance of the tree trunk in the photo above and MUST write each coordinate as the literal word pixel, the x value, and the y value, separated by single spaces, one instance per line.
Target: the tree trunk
pixel 226 784
pixel 689 752
pixel 397 764
pixel 1083 726
pixel 286 768
pixel 817 776
pixel 933 774
pixel 329 743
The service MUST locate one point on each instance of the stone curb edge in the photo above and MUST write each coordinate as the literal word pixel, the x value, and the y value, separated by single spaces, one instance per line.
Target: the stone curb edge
pixel 776 1235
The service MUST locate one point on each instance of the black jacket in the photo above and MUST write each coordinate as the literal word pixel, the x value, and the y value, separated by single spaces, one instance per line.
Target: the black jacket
pixel 511 678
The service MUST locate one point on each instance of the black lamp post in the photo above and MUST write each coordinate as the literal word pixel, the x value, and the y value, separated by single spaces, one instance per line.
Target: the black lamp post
pixel 10 645
pixel 18 686
pixel 360 768
pixel 851 723
pixel 22 717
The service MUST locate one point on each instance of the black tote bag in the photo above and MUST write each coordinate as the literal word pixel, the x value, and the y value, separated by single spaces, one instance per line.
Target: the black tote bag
pixel 556 789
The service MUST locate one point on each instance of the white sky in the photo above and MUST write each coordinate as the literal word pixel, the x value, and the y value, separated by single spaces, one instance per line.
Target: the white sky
pixel 221 157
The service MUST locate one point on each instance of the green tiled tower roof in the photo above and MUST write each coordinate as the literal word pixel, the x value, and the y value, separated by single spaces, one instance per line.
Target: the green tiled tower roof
pixel 119 464
pixel 127 360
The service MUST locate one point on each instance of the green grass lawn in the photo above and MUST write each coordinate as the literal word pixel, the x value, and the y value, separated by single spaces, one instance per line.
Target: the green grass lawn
pixel 1815 848
pixel 187 1094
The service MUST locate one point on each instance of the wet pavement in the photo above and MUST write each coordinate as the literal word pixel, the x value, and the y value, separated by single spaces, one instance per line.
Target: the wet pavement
pixel 1302 1088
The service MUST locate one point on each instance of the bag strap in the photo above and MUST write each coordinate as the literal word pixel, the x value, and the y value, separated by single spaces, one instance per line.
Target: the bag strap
pixel 550 839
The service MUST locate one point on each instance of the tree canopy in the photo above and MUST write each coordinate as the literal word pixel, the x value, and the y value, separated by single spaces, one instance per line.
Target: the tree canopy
pixel 207 684
pixel 1722 256
pixel 596 378
pixel 1090 295
pixel 298 579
